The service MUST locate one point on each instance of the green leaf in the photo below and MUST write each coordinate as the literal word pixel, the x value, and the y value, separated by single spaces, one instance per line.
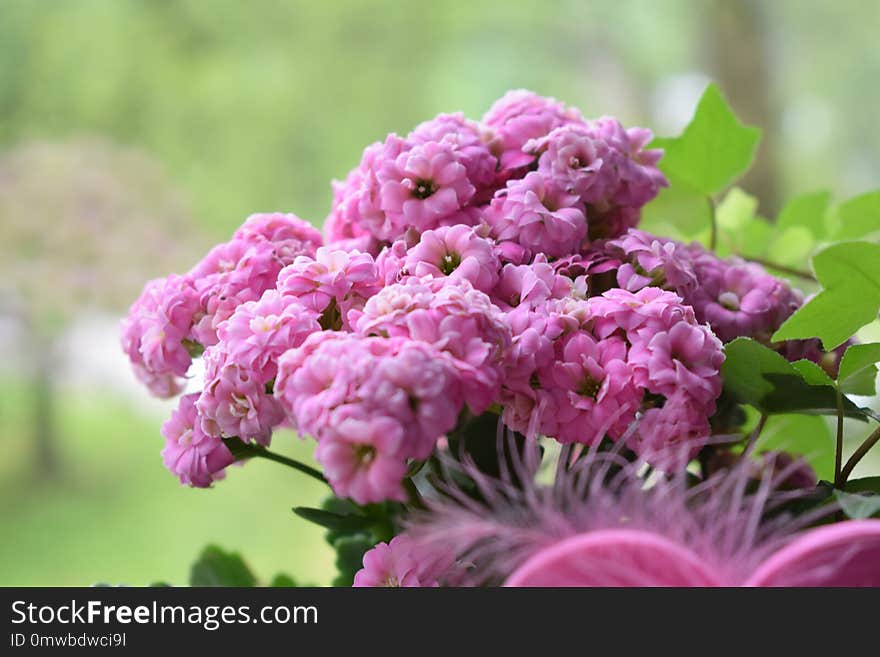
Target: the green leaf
pixel 759 376
pixel 812 373
pixel 215 567
pixel 858 217
pixel 808 211
pixel 714 149
pixel 333 521
pixel 806 435
pixel 858 506
pixel 679 210
pixel 858 372
pixel 736 210
pixel 282 580
pixel 863 485
pixel 850 274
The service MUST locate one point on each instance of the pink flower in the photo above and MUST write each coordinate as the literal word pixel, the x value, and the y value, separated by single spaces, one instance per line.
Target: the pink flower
pixel 569 158
pixel 357 206
pixel 457 252
pixel 258 332
pixel 231 274
pixel 468 139
pixel 331 284
pixel 529 286
pixel 399 564
pixel 683 357
pixel 649 310
pixel 539 216
pixel 154 332
pixel 739 298
pixel 423 186
pixel 589 390
pixel 453 317
pixel 654 261
pixel 234 402
pixel 669 436
pixel 195 457
pixel 334 376
pixel 520 116
pixel 289 235
pixel 363 457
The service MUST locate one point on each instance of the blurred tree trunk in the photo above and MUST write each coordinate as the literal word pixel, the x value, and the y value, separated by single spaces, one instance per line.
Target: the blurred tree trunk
pixel 42 402
pixel 738 47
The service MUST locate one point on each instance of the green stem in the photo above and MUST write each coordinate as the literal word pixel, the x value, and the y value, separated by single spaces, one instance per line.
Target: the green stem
pixel 241 450
pixel 713 225
pixel 857 456
pixel 838 456
pixel 413 496
pixel 800 273
pixel 754 435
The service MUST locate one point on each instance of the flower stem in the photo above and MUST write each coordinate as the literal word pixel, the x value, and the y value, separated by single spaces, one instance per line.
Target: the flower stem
pixel 857 456
pixel 838 455
pixel 412 493
pixel 754 435
pixel 800 273
pixel 713 225
pixel 241 450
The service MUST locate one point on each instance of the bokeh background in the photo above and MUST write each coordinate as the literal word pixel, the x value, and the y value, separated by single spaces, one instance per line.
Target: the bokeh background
pixel 134 134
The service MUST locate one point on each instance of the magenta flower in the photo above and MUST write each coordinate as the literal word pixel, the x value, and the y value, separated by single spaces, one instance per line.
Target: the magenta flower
pixel 234 402
pixel 398 564
pixel 457 252
pixel 423 186
pixel 650 260
pixel 569 158
pixel 363 456
pixel 289 235
pixel 154 331
pixel 520 116
pixel 529 286
pixel 260 331
pixel 454 318
pixel 539 216
pixel 231 274
pixel 195 457
pixel 331 284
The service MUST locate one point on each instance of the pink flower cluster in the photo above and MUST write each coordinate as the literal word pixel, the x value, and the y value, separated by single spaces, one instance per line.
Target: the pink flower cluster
pixel 465 270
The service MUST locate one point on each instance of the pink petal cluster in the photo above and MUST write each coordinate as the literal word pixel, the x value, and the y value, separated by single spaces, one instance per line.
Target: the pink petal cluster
pixel 371 403
pixel 458 252
pixel 331 283
pixel 454 317
pixel 399 563
pixel 155 330
pixel 196 457
pixel 289 235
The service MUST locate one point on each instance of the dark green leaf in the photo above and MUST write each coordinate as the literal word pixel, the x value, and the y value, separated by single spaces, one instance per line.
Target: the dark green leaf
pixel 349 558
pixel 215 567
pixel 334 521
pixel 282 581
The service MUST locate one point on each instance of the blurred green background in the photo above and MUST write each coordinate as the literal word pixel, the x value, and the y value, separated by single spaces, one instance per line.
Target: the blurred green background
pixel 134 134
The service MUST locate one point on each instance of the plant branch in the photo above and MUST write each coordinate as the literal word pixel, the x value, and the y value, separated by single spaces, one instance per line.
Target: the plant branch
pixel 713 225
pixel 857 456
pixel 800 273
pixel 241 450
pixel 838 451
pixel 754 435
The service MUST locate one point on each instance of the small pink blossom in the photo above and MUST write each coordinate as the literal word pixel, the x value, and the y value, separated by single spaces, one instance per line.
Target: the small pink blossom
pixel 539 216
pixel 195 457
pixel 423 186
pixel 400 564
pixel 289 235
pixel 457 252
pixel 258 332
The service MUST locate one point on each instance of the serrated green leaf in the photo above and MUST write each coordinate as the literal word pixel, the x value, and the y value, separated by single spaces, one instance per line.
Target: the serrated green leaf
pixel 809 211
pixel 805 435
pixel 216 567
pixel 812 373
pixel 858 371
pixel 850 274
pixel 333 521
pixel 714 149
pixel 760 377
pixel 858 217
pixel 858 506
